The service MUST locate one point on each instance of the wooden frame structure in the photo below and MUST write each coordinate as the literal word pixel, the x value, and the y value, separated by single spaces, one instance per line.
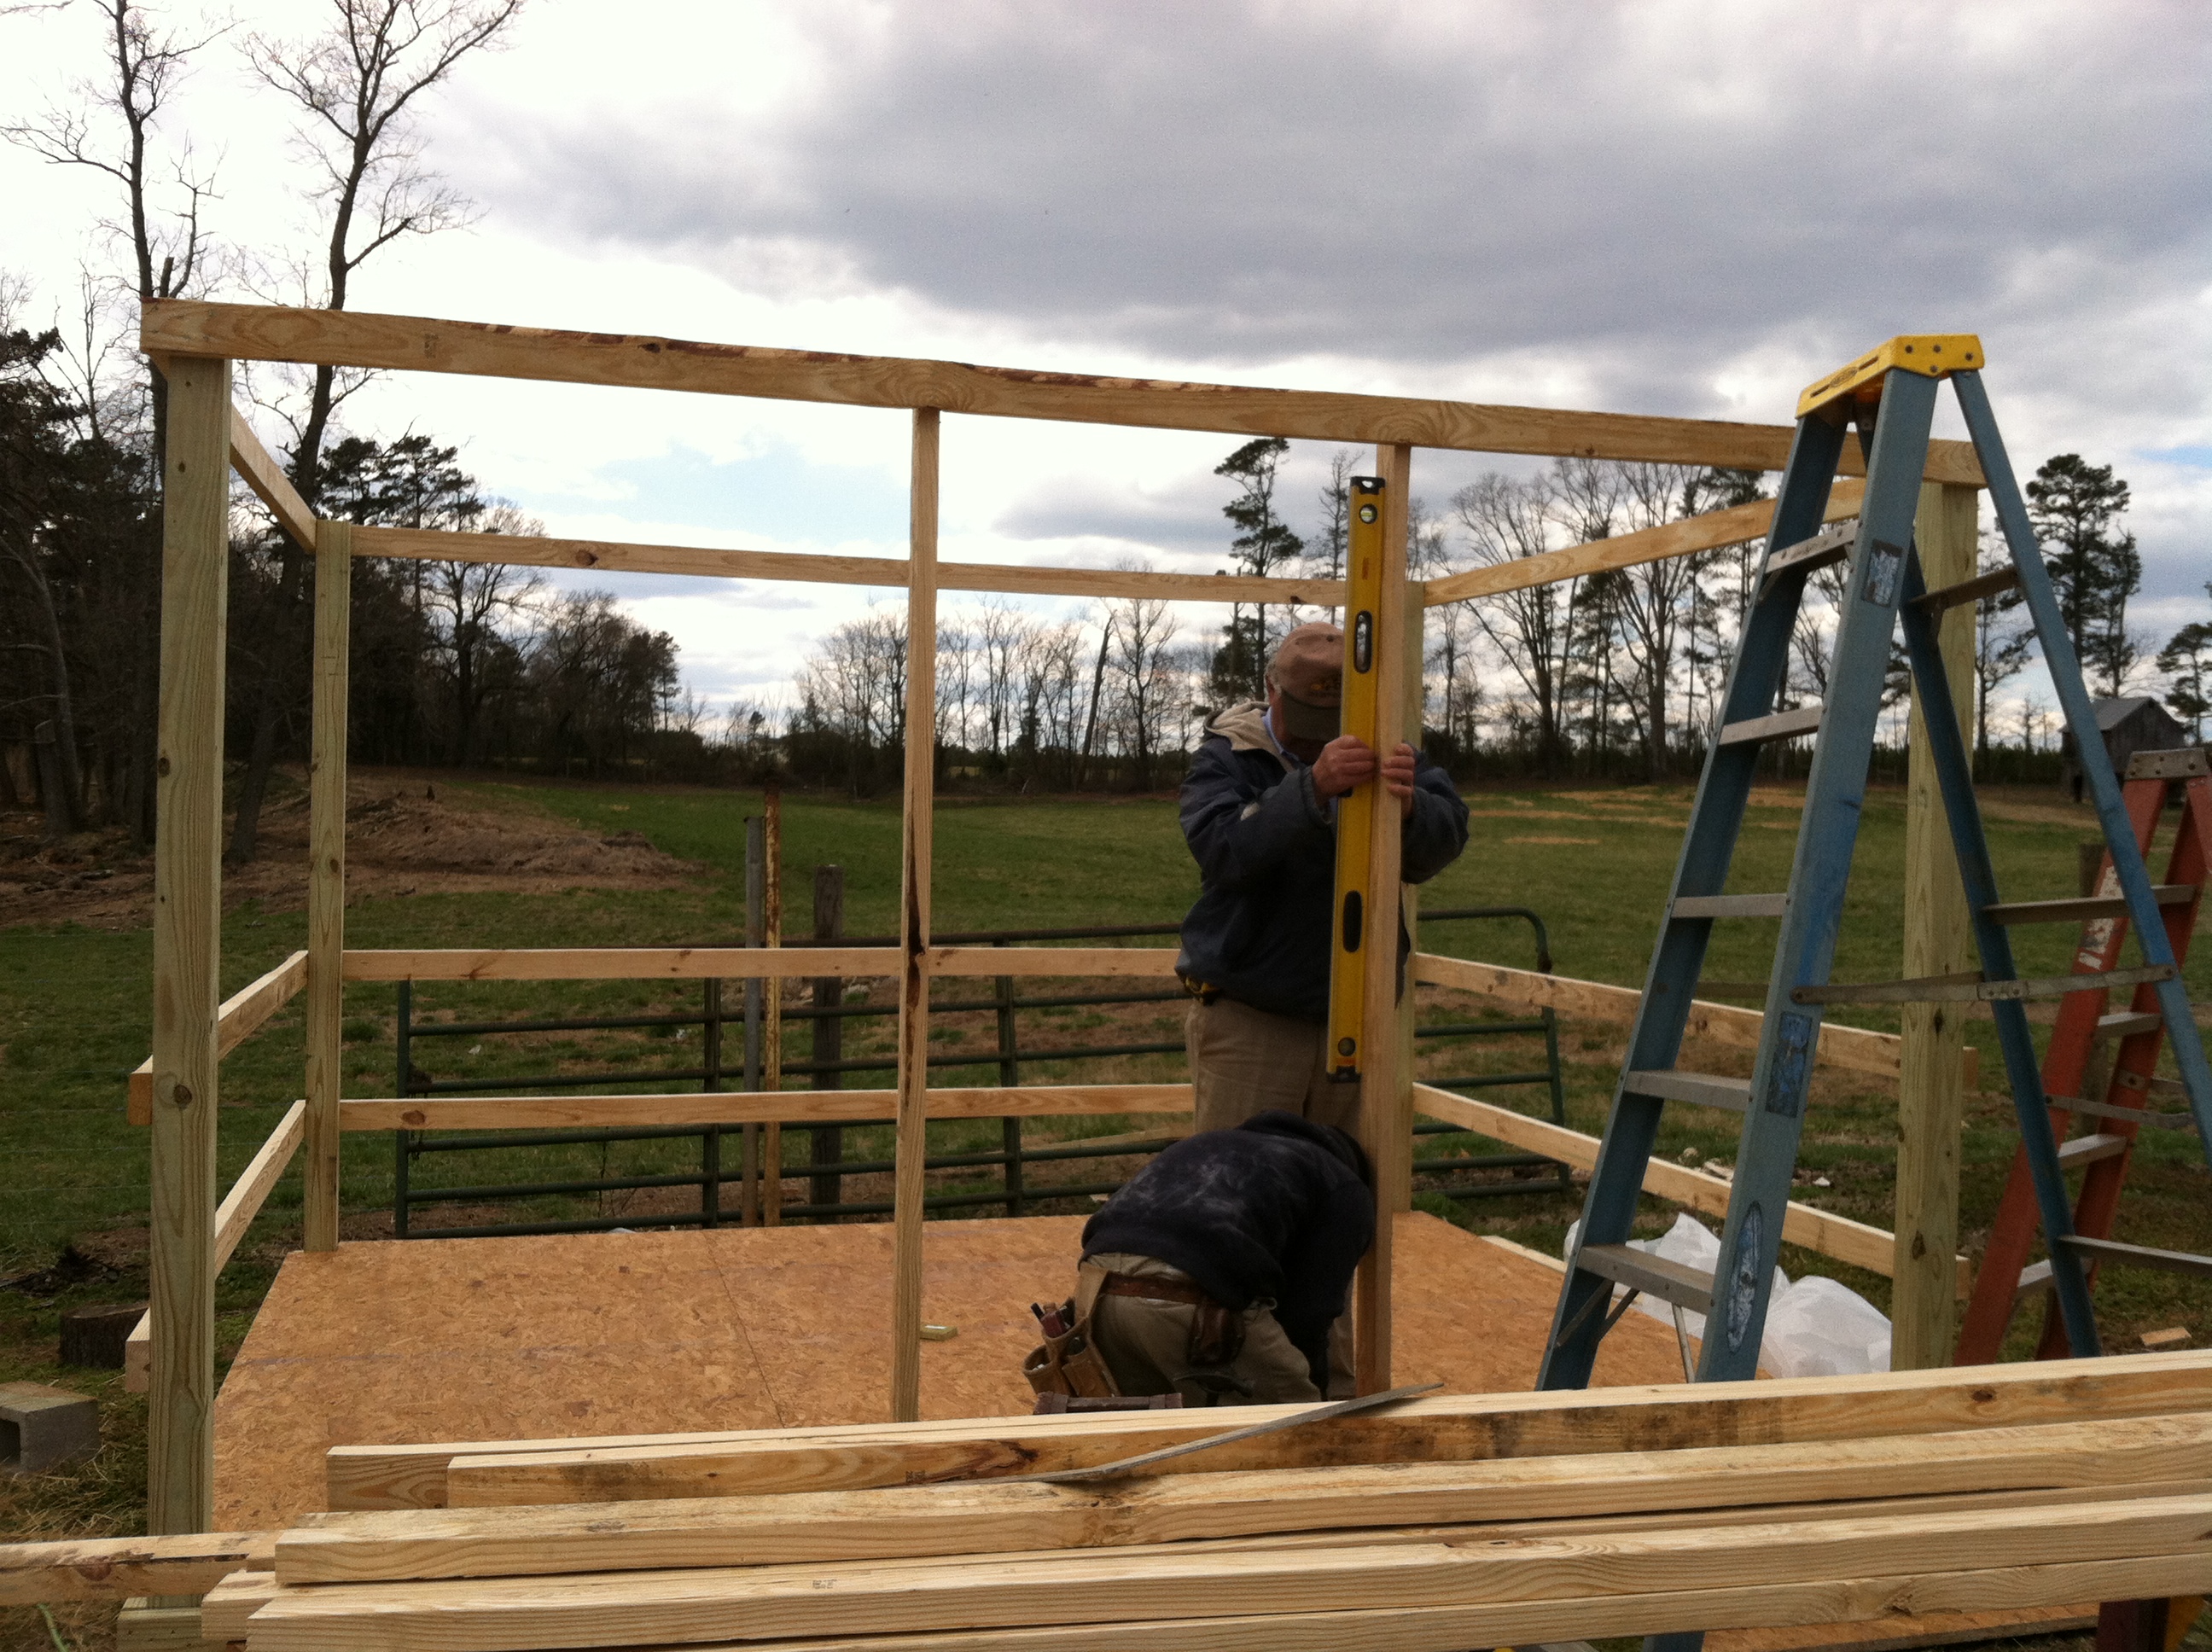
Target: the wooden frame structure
pixel 195 343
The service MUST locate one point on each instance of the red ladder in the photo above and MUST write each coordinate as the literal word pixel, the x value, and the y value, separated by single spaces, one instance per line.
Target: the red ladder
pixel 2005 1278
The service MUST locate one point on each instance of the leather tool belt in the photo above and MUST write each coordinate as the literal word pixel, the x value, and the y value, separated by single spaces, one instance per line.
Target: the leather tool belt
pixel 1216 1334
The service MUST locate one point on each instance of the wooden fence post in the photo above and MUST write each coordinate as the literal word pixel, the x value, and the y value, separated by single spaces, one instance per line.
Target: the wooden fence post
pixel 1417 705
pixel 1931 1090
pixel 909 1182
pixel 187 945
pixel 326 810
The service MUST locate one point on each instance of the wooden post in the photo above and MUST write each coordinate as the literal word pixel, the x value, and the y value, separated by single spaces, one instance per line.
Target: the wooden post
pixel 187 945
pixel 326 806
pixel 829 1144
pixel 1931 1090
pixel 908 1180
pixel 1417 705
pixel 771 1141
pixel 755 935
pixel 1381 1103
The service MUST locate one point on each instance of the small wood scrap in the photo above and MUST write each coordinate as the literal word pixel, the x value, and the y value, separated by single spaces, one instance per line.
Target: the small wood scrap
pixel 2173 1337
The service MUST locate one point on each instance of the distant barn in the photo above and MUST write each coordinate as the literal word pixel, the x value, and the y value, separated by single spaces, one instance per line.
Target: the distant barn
pixel 2129 724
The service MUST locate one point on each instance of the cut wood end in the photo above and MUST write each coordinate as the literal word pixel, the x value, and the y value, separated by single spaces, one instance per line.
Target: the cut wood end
pixel 2176 1336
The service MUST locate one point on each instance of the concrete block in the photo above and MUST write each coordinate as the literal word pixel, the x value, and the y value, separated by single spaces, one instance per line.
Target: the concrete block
pixel 42 1428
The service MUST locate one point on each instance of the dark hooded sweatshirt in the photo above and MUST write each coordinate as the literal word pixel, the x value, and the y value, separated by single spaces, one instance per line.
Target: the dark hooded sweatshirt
pixel 1265 847
pixel 1277 1208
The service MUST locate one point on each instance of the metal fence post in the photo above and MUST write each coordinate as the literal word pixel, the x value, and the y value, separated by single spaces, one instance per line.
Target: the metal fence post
pixel 827 1147
pixel 756 934
pixel 406 1087
pixel 1010 1073
pixel 710 1139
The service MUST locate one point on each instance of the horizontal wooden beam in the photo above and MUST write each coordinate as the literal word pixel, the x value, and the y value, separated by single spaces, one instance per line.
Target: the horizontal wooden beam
pixel 241 1015
pixel 614 557
pixel 1696 533
pixel 117 1568
pixel 1830 1235
pixel 746 963
pixel 409 343
pixel 754 1106
pixel 1085 962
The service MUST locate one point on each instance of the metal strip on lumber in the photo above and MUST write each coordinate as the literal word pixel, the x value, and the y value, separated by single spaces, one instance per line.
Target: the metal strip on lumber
pixel 1971 988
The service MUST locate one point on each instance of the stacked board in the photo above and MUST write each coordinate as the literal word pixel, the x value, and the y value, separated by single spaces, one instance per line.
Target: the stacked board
pixel 1442 1524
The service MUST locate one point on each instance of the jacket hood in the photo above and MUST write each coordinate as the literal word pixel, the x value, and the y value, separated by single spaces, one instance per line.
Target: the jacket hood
pixel 1244 726
pixel 1275 1122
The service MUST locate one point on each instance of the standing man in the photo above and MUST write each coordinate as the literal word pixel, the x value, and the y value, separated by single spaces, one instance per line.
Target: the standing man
pixel 1258 810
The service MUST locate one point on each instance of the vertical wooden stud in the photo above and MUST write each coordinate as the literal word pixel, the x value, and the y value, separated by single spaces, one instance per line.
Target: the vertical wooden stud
pixel 771 1141
pixel 1388 1148
pixel 1401 1195
pixel 907 1181
pixel 187 945
pixel 1930 1091
pixel 326 806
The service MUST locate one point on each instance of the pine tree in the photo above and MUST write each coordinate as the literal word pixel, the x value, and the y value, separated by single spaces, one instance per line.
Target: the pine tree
pixel 2075 507
pixel 2186 660
pixel 1262 542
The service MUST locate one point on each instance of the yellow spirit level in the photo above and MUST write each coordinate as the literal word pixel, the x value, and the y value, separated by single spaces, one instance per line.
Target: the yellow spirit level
pixel 1355 813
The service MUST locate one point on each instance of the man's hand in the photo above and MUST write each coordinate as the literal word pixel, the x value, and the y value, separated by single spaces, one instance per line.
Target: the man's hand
pixel 1348 761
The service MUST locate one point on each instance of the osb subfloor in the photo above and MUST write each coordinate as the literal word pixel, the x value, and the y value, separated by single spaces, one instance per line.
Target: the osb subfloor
pixel 651 1333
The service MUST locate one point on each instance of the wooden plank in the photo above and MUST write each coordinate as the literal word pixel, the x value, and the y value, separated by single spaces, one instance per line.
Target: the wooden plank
pixel 260 471
pixel 187 945
pixel 1457 1426
pixel 618 963
pixel 1830 1235
pixel 530 551
pixel 231 1602
pixel 982 1518
pixel 911 1142
pixel 409 343
pixel 117 1568
pixel 515 1614
pixel 326 883
pixel 1776 726
pixel 1085 962
pixel 1729 527
pixel 142 1626
pixel 1399 1194
pixel 753 1106
pixel 240 1016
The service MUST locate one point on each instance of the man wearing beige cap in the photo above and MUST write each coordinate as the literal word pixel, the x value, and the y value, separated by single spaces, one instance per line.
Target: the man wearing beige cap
pixel 1258 810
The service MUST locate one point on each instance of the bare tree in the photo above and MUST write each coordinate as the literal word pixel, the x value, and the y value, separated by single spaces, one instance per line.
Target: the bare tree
pixel 1146 680
pixel 1506 520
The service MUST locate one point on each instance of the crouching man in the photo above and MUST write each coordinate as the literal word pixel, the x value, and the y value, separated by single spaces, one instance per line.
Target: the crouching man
pixel 1227 1259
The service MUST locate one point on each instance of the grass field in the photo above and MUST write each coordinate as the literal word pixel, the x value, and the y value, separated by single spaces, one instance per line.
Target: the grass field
pixel 73 1018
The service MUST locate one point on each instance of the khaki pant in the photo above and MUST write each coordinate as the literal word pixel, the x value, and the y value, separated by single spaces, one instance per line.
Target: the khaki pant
pixel 1244 1061
pixel 1145 1343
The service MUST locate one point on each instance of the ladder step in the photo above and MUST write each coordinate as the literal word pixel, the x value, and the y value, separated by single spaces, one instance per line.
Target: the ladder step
pixel 2111 1250
pixel 1655 1276
pixel 1700 1089
pixel 2126 1023
pixel 2185 763
pixel 1733 905
pixel 2142 1115
pixel 1830 544
pixel 1782 725
pixel 2034 1280
pixel 1973 589
pixel 2088 1150
pixel 2081 910
pixel 1970 989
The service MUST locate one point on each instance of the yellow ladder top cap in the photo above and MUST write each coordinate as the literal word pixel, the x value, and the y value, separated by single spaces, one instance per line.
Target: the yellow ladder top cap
pixel 1932 354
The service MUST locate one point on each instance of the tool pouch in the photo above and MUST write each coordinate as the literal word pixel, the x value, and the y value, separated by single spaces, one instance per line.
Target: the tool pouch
pixel 1067 1363
pixel 1216 1334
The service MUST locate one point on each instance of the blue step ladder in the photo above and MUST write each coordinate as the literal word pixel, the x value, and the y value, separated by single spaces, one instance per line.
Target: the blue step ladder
pixel 1890 397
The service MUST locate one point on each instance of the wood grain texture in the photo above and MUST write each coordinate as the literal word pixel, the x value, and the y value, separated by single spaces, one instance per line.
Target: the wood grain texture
pixel 408 344
pixel 1407 1012
pixel 1938 941
pixel 888 573
pixel 326 881
pixel 1070 962
pixel 754 1106
pixel 911 1141
pixel 117 1568
pixel 260 471
pixel 226 1608
pixel 1692 534
pixel 187 940
pixel 239 1017
pixel 619 963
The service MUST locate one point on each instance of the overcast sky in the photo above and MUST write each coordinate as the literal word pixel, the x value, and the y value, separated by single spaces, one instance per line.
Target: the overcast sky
pixel 1654 207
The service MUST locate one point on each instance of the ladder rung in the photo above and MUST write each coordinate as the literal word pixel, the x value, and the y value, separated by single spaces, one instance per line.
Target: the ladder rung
pixel 1730 906
pixel 1699 1088
pixel 2183 764
pixel 2142 1115
pixel 1655 1276
pixel 1781 726
pixel 1830 544
pixel 2126 1023
pixel 2034 1280
pixel 1971 988
pixel 1973 589
pixel 2088 1150
pixel 2081 909
pixel 2111 1250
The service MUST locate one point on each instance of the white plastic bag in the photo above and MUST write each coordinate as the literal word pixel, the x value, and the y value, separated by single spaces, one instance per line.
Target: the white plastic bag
pixel 1821 1328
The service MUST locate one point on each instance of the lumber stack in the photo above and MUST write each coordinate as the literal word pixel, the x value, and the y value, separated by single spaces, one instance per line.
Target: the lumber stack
pixel 1448 1523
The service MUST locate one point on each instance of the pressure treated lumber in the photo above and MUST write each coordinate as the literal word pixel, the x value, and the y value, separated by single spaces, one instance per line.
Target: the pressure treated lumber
pixel 239 1017
pixel 326 885
pixel 116 1568
pixel 619 963
pixel 1830 1235
pixel 408 344
pixel 751 1107
pixel 983 1517
pixel 1695 533
pixel 1085 962
pixel 514 1614
pixel 1455 1427
pixel 187 929
pixel 530 551
pixel 259 470
pixel 226 1608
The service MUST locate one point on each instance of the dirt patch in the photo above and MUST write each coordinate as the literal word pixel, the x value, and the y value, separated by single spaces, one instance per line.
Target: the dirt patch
pixel 405 835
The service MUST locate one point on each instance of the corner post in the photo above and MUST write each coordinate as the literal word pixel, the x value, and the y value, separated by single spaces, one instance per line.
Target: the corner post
pixel 1381 1105
pixel 187 944
pixel 908 1179
pixel 1400 1196
pixel 1931 1090
pixel 326 805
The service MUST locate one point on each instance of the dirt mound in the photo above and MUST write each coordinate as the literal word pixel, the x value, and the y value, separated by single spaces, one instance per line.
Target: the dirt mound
pixel 404 835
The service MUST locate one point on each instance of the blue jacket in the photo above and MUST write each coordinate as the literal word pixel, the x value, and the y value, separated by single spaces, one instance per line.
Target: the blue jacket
pixel 1265 847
